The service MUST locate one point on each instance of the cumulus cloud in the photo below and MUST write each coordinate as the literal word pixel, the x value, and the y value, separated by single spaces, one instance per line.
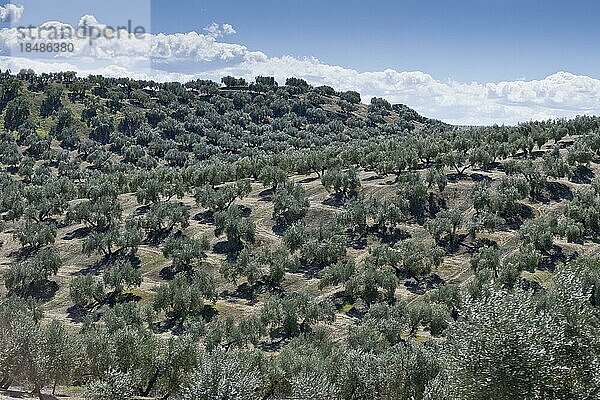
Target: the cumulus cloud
pixel 183 57
pixel 11 13
pixel 219 30
pixel 228 29
pixel 89 23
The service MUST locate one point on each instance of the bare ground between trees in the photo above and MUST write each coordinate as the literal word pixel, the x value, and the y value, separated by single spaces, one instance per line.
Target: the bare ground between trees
pixel 454 269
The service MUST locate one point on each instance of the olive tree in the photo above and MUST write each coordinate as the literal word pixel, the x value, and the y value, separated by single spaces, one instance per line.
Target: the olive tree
pixel 183 297
pixel 114 240
pixel 238 229
pixel 85 291
pixel 23 277
pixel 318 247
pixel 343 183
pixel 487 258
pixel 294 313
pixel 290 203
pixel 120 275
pixel 35 234
pixel 531 171
pixel 510 332
pixel 185 251
pixel 17 112
pixel 164 216
pixel 221 198
pixel 446 222
pixel 539 233
pixel 418 258
pixel 225 375
pixel 268 266
pixel 99 214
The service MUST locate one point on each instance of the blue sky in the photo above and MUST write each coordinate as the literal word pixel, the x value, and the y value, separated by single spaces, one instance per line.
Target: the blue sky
pixel 466 40
pixel 462 61
pixel 483 40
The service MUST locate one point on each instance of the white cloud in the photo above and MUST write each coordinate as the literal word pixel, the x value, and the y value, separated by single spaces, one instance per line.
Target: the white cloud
pixel 87 23
pixel 11 13
pixel 228 29
pixel 219 30
pixel 193 55
pixel 213 30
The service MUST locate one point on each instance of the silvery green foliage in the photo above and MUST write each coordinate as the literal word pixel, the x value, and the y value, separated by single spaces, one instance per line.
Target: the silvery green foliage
pixel 528 346
pixel 19 341
pixel 114 385
pixel 295 313
pixel 290 203
pixel 313 386
pixel 224 376
pixel 401 372
pixel 436 389
pixel 30 354
pixel 315 367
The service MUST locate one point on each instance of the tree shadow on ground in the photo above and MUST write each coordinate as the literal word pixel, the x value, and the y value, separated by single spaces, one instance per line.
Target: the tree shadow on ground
pixel 274 346
pixel 431 281
pixel 124 298
pixel 209 312
pixel 141 210
pixel 163 326
pixel 228 249
pixel 167 273
pixel 22 253
pixel 515 219
pixel 245 211
pixel 243 291
pixel 77 314
pixel 250 293
pixel 98 267
pixel 279 227
pixel 391 237
pixel 155 238
pixel 357 243
pixel 93 269
pixel 359 309
pixel 309 179
pixel 477 177
pixel 455 177
pixel 452 245
pixel 528 284
pixel 205 217
pixel 266 193
pixel 473 246
pixel 78 233
pixel 582 175
pixel 16 394
pixel 342 299
pixel 43 291
pixel 309 271
pixel 335 201
pixel 552 259
pixel 496 165
pixel 556 191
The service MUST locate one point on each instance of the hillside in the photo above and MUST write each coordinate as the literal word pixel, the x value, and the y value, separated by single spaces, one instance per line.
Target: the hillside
pixel 199 239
